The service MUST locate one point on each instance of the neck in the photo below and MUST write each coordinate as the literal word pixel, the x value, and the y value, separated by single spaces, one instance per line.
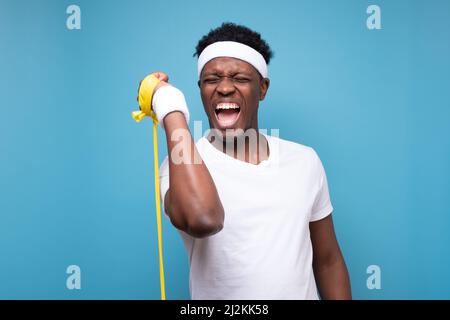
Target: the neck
pixel 251 146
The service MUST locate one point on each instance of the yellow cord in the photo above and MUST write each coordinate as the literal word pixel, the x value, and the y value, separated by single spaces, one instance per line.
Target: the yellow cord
pixel 146 90
pixel 158 210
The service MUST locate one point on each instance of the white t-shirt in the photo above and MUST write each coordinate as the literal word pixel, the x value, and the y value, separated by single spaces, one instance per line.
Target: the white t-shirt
pixel 264 250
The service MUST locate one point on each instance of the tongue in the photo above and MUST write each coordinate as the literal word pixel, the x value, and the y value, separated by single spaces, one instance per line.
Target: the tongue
pixel 228 115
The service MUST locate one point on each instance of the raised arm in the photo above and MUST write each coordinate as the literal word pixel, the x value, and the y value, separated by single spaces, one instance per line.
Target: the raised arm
pixel 192 201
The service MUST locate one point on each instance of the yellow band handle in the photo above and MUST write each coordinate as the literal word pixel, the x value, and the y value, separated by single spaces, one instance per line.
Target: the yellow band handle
pixel 145 96
pixel 146 90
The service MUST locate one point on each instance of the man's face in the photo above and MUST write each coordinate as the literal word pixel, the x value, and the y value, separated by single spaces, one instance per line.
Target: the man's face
pixel 231 90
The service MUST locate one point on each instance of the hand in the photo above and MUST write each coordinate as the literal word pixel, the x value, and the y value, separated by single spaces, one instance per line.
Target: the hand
pixel 164 81
pixel 169 100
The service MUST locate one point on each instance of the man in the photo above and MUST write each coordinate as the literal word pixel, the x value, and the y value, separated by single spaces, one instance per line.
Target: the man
pixel 253 210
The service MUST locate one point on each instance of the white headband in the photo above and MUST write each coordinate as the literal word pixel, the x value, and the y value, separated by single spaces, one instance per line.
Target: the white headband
pixel 234 50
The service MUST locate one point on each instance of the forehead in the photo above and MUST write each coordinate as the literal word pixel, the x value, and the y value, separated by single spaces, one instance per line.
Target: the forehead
pixel 228 65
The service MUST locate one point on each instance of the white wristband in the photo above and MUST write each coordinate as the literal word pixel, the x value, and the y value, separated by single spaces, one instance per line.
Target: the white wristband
pixel 168 99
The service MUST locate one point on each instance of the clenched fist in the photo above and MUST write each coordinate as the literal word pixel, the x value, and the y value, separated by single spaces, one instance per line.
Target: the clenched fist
pixel 166 100
pixel 164 81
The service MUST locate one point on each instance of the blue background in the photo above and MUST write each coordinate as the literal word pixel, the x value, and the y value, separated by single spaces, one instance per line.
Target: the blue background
pixel 76 170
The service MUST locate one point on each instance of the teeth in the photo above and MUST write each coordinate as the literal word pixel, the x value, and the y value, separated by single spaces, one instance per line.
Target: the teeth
pixel 221 106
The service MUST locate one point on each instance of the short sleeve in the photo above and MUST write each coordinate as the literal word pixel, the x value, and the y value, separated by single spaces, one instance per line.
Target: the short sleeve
pixel 164 179
pixel 322 204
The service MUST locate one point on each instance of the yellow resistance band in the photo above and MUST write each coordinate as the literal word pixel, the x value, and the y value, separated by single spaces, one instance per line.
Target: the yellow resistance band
pixel 146 90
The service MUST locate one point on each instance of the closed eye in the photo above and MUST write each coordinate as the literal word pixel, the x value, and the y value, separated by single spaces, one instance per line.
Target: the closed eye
pixel 241 79
pixel 214 80
pixel 211 80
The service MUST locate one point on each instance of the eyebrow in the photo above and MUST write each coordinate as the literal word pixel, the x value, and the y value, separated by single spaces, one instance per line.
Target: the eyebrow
pixel 220 73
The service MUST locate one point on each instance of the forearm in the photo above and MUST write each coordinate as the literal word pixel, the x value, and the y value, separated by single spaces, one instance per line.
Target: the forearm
pixel 195 205
pixel 332 279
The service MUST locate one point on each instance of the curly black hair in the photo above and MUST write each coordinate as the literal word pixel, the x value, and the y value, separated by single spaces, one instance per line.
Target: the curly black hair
pixel 229 31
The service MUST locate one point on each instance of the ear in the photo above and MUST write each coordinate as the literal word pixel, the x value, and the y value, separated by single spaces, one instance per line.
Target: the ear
pixel 264 86
pixel 198 83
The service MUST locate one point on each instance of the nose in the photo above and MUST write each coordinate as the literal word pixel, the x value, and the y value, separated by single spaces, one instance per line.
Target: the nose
pixel 225 86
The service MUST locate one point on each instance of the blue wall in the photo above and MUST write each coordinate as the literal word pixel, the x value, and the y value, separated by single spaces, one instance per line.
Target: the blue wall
pixel 76 170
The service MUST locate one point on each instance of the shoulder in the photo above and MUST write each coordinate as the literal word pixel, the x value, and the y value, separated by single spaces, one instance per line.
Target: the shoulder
pixel 293 151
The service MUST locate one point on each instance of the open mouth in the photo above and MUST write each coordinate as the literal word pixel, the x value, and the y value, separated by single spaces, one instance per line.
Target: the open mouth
pixel 227 114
